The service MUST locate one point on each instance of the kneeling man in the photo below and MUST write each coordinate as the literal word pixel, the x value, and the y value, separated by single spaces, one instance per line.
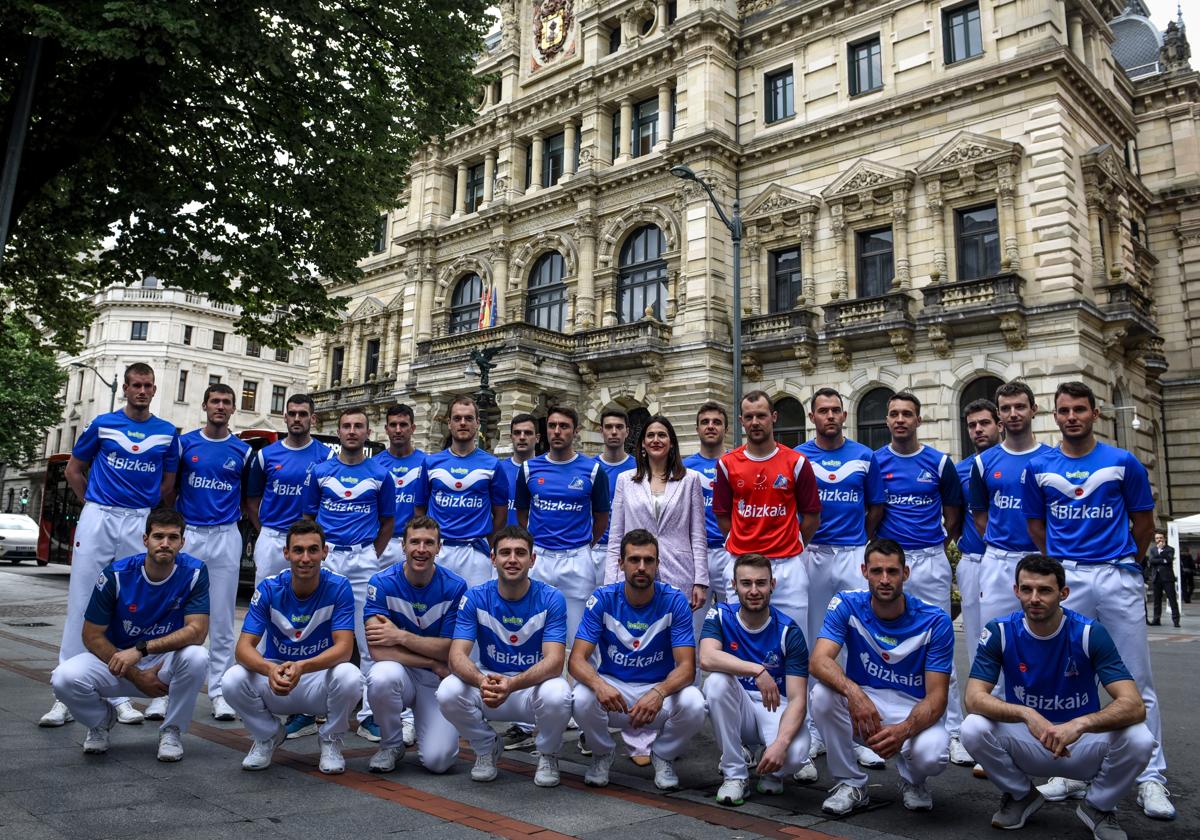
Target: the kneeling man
pixel 892 695
pixel 643 630
pixel 144 632
pixel 1050 721
pixel 757 685
pixel 520 626
pixel 410 615
pixel 307 615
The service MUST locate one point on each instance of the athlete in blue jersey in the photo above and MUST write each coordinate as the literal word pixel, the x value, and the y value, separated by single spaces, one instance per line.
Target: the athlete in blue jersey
pixel 212 462
pixel 523 434
pixel 122 466
pixel 1090 506
pixel 305 619
pixel 275 485
pixel 465 493
pixel 983 425
pixel 757 686
pixel 711 422
pixel 406 466
pixel 520 627
pixel 562 498
pixel 893 692
pixel 1050 720
pixel 411 611
pixel 144 632
pixel 642 632
pixel 614 460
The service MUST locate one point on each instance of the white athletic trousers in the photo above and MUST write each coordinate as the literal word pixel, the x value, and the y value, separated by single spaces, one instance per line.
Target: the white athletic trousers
pixel 680 718
pixel 357 564
pixel 220 547
pixel 395 689
pixel 84 682
pixel 920 757
pixel 740 719
pixel 929 577
pixel 570 572
pixel 269 554
pixel 720 576
pixel 546 706
pixel 997 574
pixel 471 565
pixel 1108 761
pixel 331 693
pixel 968 574
pixel 791 588
pixel 1115 597
pixel 393 554
pixel 599 558
pixel 831 569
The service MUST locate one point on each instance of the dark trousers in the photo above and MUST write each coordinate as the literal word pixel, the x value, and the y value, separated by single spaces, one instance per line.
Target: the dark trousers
pixel 1166 587
pixel 1188 581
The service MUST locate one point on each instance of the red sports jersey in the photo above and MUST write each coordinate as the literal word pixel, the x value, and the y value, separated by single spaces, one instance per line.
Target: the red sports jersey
pixel 764 497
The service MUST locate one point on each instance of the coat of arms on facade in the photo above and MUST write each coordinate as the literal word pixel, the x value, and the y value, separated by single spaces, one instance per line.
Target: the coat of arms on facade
pixel 553 32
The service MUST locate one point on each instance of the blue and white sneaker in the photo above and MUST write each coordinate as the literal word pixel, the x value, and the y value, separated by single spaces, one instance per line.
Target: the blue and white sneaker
pixel 368 729
pixel 298 726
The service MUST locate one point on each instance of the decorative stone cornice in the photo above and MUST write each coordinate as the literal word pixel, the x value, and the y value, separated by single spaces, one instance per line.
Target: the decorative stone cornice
pixel 865 177
pixel 965 153
pixel 781 201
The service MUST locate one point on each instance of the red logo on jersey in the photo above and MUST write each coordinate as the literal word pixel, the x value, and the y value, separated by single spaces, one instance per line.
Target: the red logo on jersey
pixel 733 645
pixel 1023 667
pixel 299 633
pixel 195 458
pixel 278 467
pixel 886 657
pixel 458 485
pixel 888 475
pixel 135 448
pixel 347 494
pixel 541 481
pixel 636 644
pixel 832 477
pixel 512 639
pixel 996 474
pixel 133 607
pixel 399 482
pixel 1078 491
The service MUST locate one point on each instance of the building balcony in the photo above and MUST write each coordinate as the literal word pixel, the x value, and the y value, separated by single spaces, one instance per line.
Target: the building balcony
pixel 369 393
pixel 142 296
pixel 519 337
pixel 974 307
pixel 864 323
pixel 612 347
pixel 789 335
pixel 1129 312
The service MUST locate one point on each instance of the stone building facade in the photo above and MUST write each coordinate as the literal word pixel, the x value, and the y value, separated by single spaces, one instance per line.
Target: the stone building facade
pixel 937 196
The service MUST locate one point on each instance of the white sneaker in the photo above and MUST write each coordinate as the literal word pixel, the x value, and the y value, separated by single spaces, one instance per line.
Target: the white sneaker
pixel 806 775
pixel 732 792
pixel 59 715
pixel 128 715
pixel 332 762
pixel 769 785
pixel 1155 801
pixel 221 710
pixel 157 710
pixel 959 754
pixel 845 798
pixel 259 757
pixel 384 761
pixel 170 746
pixel 485 769
pixel 816 748
pixel 1058 789
pixel 867 757
pixel 96 740
pixel 547 771
pixel 664 773
pixel 408 732
pixel 597 774
pixel 916 797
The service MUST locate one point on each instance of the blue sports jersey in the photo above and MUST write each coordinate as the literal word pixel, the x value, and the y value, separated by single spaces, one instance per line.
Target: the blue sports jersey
pixel 210 478
pixel 707 467
pixel 995 487
pixel 461 491
pixel 890 654
pixel 913 489
pixel 509 634
pixel 132 607
pixel 841 483
pixel 349 500
pixel 1055 675
pixel 406 473
pixel 612 471
pixel 299 628
pixel 778 645
pixel 276 476
pixel 971 542
pixel 429 610
pixel 1086 502
pixel 510 468
pixel 635 642
pixel 561 498
pixel 128 459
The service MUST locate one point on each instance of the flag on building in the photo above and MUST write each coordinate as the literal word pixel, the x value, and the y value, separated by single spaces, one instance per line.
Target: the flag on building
pixel 487 308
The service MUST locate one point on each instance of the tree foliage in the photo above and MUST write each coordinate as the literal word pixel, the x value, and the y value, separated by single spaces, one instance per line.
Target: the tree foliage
pixel 243 150
pixel 30 385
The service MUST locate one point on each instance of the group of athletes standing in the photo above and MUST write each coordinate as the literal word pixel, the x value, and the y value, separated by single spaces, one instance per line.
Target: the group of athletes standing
pixel 467 583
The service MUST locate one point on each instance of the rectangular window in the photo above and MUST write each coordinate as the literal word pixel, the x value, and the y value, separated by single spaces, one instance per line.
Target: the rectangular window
pixel 282 354
pixel 213 379
pixel 962 35
pixel 140 331
pixel 672 11
pixel 381 234
pixel 645 127
pixel 58 440
pixel 866 73
pixel 614 38
pixel 253 348
pixel 371 362
pixel 336 362
pixel 187 335
pixel 74 435
pixel 780 95
pixel 474 187
pixel 181 391
pixel 249 394
pixel 616 134
pixel 278 397
pixel 977 242
pixel 552 159
pixel 218 340
pixel 784 268
pixel 875 266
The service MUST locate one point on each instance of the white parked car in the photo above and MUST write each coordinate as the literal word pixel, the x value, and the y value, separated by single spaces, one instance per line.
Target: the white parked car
pixel 18 538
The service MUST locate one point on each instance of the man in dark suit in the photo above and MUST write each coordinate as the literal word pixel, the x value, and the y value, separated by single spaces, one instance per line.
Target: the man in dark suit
pixel 1160 567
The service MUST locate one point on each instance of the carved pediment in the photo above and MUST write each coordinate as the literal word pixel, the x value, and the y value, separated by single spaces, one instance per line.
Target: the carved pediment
pixel 864 177
pixel 780 199
pixel 967 149
pixel 370 307
pixel 1103 164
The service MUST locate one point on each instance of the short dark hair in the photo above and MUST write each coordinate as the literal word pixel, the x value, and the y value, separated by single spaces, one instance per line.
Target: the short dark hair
pixel 638 536
pixel 353 409
pixel 512 532
pixel 905 396
pixel 302 528
pixel 1040 564
pixel 825 392
pixel 1075 389
pixel 753 560
pixel 1013 388
pixel 423 522
pixel 886 547
pixel 216 388
pixel 619 413
pixel 400 410
pixel 165 516
pixel 712 405
pixel 975 406
pixel 755 396
pixel 302 399
pixel 565 411
pixel 1159 532
pixel 463 399
pixel 138 368
pixel 524 417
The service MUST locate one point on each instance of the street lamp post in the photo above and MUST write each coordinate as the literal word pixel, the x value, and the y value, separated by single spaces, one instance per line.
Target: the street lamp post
pixel 485 397
pixel 735 234
pixel 112 386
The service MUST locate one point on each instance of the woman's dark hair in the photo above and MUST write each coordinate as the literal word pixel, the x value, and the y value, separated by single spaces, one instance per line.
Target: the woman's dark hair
pixel 675 468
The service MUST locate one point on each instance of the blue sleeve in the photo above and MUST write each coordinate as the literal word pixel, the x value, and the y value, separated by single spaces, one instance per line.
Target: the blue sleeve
pixel 256 477
pixel 425 480
pixel 795 663
pixel 1106 661
pixel 977 493
pixel 311 494
pixel 1136 486
pixel 376 600
pixel 197 602
pixel 683 633
pixel 465 625
pixel 255 622
pixel 836 618
pixel 951 487
pixel 940 656
pixel 171 458
pixel 874 485
pixel 989 658
pixel 343 607
pixel 712 628
pixel 1033 501
pixel 498 487
pixel 521 497
pixel 420 497
pixel 387 494
pixel 88 443
pixel 590 623
pixel 103 602
pixel 556 618
pixel 450 621
pixel 600 501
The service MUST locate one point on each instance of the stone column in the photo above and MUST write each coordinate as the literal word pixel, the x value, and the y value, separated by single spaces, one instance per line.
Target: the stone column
pixel 460 190
pixel 1006 189
pixel 902 280
pixel 489 175
pixel 937 217
pixel 808 282
pixel 664 115
pixel 424 313
pixel 321 348
pixel 841 235
pixel 1093 209
pixel 499 255
pixel 660 16
pixel 752 252
pixel 1075 23
pixel 585 291
pixel 354 352
pixel 569 162
pixel 535 177
pixel 626 129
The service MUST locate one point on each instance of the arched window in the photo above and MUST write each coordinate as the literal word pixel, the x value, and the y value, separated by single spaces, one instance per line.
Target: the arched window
pixel 983 388
pixel 546 301
pixel 643 279
pixel 789 427
pixel 872 418
pixel 464 304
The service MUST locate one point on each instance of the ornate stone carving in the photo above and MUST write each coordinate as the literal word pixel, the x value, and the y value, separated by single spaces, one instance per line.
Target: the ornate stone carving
pixel 806 357
pixel 1175 50
pixel 941 340
pixel 902 344
pixel 652 364
pixel 751 368
pixel 1012 327
pixel 587 374
pixel 840 353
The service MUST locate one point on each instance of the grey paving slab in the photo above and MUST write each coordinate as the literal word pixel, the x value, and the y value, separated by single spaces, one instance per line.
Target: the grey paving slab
pixel 133 817
pixel 563 809
pixel 30 830
pixel 362 817
pixel 681 827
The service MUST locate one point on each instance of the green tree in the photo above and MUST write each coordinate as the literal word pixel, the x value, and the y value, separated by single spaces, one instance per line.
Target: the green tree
pixel 243 150
pixel 30 383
